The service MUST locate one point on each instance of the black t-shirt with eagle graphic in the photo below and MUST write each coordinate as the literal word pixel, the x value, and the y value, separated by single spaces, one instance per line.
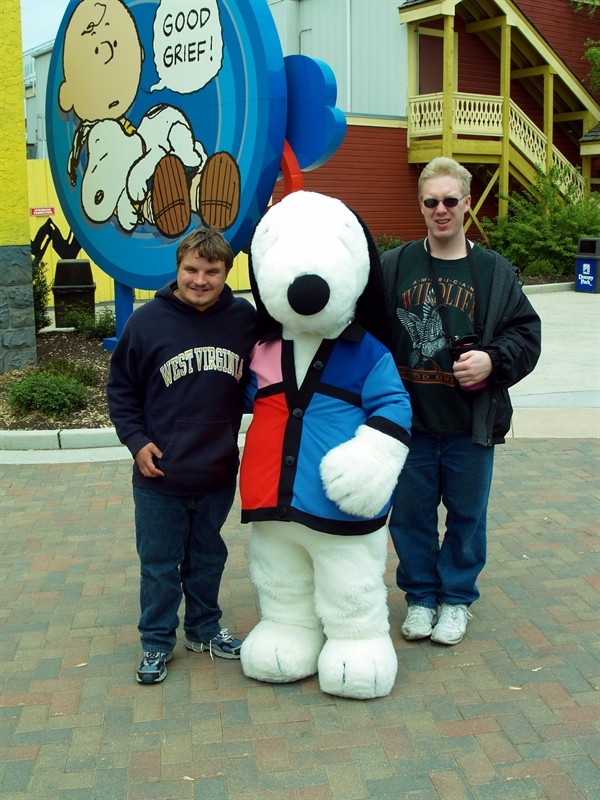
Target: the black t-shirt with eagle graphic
pixel 420 347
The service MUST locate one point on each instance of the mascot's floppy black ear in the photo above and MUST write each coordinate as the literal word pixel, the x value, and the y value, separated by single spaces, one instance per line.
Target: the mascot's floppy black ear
pixel 373 306
pixel 264 321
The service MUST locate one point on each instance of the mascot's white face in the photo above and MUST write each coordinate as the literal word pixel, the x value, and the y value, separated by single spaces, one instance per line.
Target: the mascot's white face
pixel 311 263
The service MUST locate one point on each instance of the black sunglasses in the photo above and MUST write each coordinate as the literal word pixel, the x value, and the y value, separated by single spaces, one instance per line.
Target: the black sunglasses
pixel 449 202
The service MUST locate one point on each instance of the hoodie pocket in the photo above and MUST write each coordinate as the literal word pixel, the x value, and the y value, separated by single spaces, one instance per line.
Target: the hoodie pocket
pixel 200 454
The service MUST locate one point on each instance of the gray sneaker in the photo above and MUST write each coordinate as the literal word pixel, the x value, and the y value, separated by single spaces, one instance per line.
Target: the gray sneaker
pixel 452 624
pixel 222 645
pixel 419 622
pixel 153 666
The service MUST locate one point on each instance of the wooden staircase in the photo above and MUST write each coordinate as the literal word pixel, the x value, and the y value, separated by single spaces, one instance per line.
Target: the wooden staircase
pixel 478 133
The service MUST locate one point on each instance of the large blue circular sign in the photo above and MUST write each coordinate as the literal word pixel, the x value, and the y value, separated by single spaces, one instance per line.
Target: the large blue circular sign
pixel 163 115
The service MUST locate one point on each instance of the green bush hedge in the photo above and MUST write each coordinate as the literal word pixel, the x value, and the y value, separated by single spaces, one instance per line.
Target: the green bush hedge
pixel 56 390
pixel 52 394
pixel 102 326
pixel 386 241
pixel 88 376
pixel 541 232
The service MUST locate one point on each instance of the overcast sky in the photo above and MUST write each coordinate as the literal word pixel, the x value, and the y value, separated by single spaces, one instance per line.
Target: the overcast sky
pixel 40 20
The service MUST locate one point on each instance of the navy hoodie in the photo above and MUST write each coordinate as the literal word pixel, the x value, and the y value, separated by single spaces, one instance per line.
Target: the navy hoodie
pixel 175 380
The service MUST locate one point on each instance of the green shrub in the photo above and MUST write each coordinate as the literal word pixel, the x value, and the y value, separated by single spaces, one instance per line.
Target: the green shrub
pixel 541 231
pixel 386 241
pixel 592 56
pixel 83 323
pixel 102 326
pixel 41 291
pixel 106 324
pixel 51 394
pixel 88 376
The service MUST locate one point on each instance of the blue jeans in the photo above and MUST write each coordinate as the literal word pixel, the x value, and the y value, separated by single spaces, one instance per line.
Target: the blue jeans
pixel 451 470
pixel 182 553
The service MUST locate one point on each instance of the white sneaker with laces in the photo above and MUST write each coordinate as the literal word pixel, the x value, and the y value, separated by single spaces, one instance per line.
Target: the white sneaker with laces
pixel 452 624
pixel 419 622
pixel 223 645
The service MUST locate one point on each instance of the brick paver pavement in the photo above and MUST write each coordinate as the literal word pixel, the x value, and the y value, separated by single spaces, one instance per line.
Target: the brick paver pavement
pixel 509 714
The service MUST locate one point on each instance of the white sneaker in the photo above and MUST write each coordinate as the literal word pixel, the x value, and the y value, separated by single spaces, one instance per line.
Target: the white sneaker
pixel 452 624
pixel 419 622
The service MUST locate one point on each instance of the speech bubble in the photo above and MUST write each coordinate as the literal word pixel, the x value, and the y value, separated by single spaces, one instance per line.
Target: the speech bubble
pixel 188 44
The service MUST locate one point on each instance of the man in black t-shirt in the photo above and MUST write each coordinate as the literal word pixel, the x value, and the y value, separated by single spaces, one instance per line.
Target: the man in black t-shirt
pixel 463 333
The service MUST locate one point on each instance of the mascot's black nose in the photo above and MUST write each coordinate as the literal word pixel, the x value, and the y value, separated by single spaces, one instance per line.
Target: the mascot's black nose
pixel 308 294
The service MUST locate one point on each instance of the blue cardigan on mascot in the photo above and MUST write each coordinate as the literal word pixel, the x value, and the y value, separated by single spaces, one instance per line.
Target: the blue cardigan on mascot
pixel 329 437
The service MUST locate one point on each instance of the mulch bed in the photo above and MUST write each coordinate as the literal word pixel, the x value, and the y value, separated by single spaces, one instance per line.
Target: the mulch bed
pixel 77 350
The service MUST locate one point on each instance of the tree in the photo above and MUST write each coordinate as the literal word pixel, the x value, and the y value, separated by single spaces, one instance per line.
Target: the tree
pixel 541 231
pixel 591 54
pixel 41 290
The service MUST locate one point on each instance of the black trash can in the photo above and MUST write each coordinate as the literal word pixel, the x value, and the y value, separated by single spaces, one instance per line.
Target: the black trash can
pixel 587 260
pixel 73 288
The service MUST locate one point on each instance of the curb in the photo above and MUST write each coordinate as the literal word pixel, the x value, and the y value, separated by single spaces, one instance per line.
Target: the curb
pixel 549 288
pixel 75 439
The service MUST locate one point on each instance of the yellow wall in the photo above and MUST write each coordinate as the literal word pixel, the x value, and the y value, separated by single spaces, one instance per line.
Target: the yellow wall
pixel 13 173
pixel 42 195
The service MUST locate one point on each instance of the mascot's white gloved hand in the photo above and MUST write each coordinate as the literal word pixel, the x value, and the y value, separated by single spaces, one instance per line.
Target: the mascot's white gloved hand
pixel 360 475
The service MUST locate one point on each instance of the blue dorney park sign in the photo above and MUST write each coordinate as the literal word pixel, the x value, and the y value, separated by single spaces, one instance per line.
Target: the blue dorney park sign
pixel 163 115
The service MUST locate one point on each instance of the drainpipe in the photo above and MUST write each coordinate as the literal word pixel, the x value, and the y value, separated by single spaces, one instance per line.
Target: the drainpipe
pixel 304 30
pixel 348 55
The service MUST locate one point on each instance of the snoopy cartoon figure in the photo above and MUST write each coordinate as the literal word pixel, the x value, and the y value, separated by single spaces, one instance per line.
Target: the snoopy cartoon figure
pixel 328 439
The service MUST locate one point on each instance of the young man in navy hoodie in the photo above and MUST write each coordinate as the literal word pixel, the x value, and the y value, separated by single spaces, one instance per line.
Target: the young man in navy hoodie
pixel 175 399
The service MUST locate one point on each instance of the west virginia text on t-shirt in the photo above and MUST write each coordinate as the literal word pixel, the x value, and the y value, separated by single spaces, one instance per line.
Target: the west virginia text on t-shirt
pixel 202 359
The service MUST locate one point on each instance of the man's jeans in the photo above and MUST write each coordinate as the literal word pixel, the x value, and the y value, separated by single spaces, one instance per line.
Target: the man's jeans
pixel 458 473
pixel 181 553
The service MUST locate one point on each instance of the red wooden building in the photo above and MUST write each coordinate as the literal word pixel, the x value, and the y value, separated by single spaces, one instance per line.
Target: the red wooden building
pixel 499 85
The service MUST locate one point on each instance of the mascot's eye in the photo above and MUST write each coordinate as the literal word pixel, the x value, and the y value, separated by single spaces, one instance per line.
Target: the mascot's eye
pixel 99 197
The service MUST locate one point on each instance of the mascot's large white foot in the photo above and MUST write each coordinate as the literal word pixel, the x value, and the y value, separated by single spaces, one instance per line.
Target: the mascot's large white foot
pixel 279 653
pixel 361 669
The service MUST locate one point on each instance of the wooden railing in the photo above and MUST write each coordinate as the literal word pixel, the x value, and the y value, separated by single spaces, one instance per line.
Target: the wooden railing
pixel 529 140
pixel 481 115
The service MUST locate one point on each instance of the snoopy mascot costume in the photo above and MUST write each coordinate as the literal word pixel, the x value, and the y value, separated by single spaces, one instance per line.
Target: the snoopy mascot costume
pixel 329 437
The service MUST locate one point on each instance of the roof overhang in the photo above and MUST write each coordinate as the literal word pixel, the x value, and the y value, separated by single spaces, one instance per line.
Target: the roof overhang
pixel 417 11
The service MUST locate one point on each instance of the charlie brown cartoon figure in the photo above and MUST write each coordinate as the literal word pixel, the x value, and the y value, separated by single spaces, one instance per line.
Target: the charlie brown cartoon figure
pixel 156 172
